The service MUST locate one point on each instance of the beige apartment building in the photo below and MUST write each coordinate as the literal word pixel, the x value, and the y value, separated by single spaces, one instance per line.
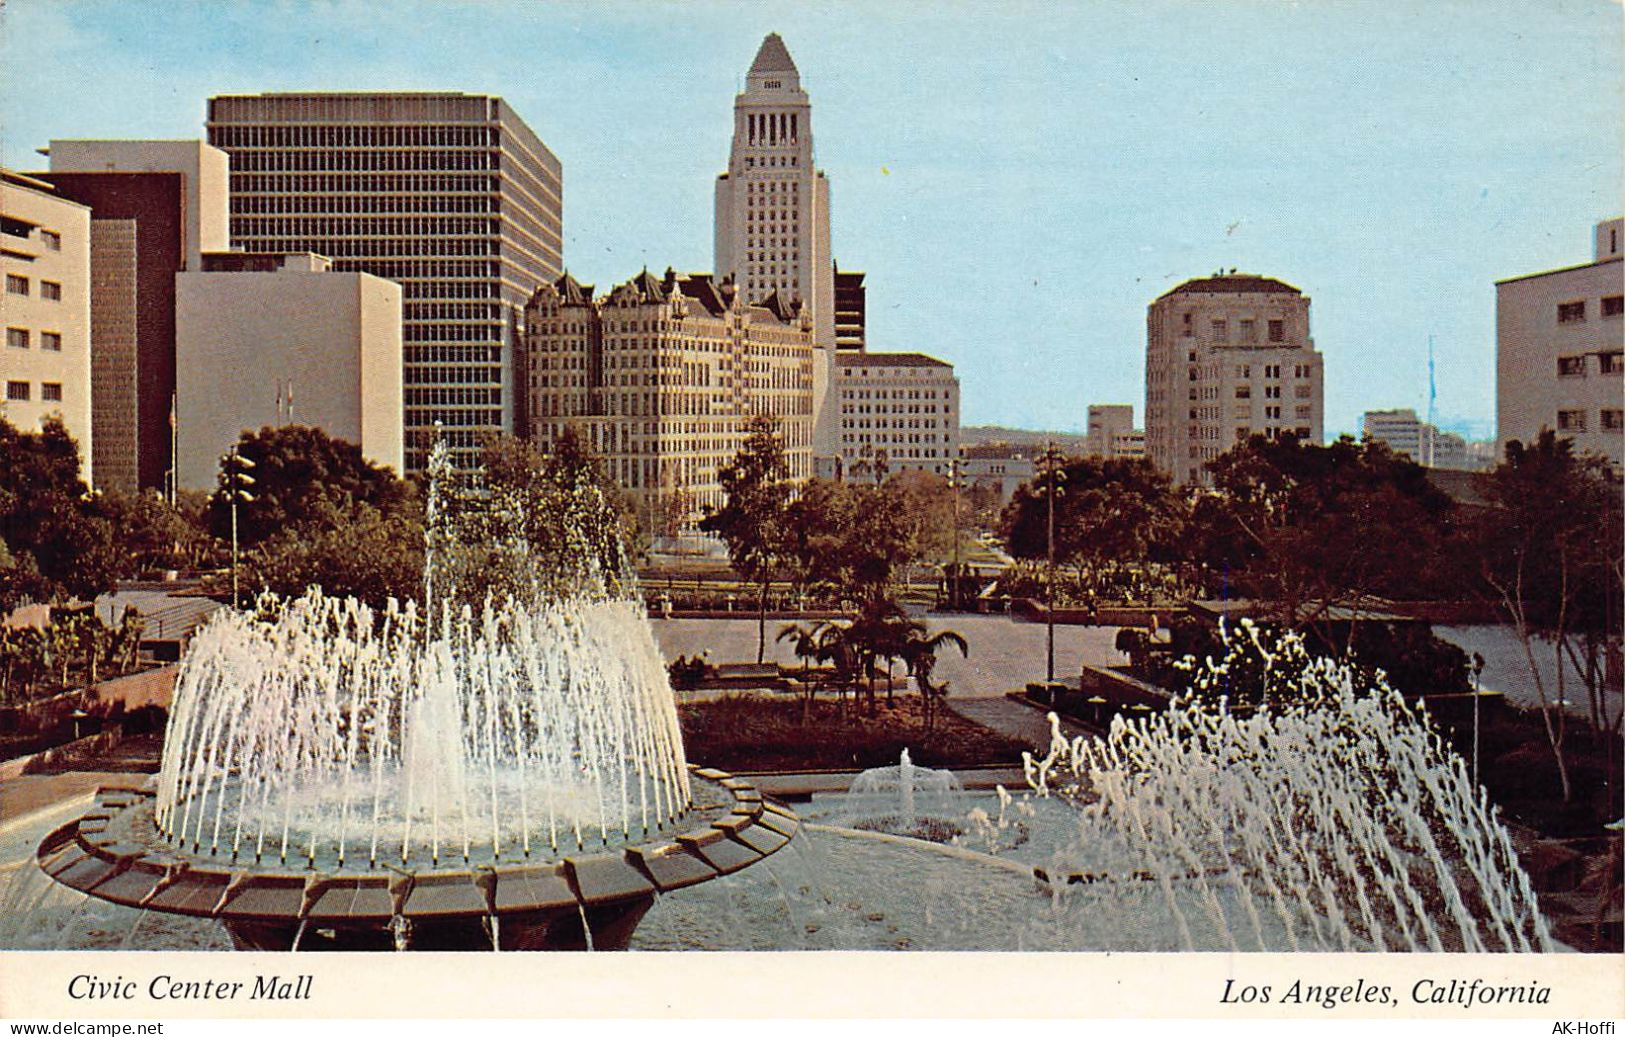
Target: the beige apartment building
pixel 898 411
pixel 1228 357
pixel 1559 336
pixel 45 307
pixel 281 339
pixel 451 195
pixel 661 377
pixel 772 213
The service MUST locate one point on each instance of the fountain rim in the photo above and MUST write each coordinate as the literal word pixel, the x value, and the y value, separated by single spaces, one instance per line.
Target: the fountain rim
pixel 84 855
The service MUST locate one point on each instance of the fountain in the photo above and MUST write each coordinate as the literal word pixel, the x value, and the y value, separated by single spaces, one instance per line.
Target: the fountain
pixel 510 777
pixel 905 800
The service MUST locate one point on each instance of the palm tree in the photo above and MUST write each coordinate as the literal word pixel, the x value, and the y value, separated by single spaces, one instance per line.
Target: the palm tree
pixel 919 651
pixel 807 648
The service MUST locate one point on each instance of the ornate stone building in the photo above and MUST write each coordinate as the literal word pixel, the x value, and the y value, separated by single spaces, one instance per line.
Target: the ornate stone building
pixel 1227 357
pixel 897 411
pixel 661 376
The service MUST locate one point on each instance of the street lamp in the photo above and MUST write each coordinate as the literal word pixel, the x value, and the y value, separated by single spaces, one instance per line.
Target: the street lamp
pixel 236 467
pixel 1051 462
pixel 954 479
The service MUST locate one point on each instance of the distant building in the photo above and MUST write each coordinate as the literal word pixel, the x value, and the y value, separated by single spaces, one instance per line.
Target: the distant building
pixel 1559 337
pixel 1228 357
pixel 156 207
pixel 274 339
pixel 1423 443
pixel 1112 433
pixel 999 467
pixel 772 213
pixel 850 310
pixel 661 376
pixel 45 259
pixel 451 195
pixel 897 411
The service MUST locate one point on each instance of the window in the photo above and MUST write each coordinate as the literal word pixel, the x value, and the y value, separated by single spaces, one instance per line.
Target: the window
pixel 17 338
pixel 1244 392
pixel 51 340
pixel 1611 363
pixel 1571 421
pixel 1571 312
pixel 1272 370
pixel 52 240
pixel 1571 366
pixel 16 390
pixel 1189 331
pixel 1249 330
pixel 1613 305
pixel 51 392
pixel 50 290
pixel 1303 392
pixel 16 285
pixel 1221 331
pixel 1277 330
pixel 1613 419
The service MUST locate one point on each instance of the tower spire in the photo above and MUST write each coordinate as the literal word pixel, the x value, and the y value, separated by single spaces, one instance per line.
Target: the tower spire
pixel 773 56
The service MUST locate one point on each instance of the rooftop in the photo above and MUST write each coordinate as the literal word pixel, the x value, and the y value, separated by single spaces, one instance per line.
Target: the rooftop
pixel 772 57
pixel 890 360
pixel 1233 284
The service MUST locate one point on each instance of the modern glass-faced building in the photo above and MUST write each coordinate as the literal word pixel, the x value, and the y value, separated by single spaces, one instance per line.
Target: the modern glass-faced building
pixel 449 194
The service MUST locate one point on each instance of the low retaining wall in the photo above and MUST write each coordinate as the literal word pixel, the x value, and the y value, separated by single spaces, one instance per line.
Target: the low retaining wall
pixel 36 762
pixel 133 691
pixel 1137 616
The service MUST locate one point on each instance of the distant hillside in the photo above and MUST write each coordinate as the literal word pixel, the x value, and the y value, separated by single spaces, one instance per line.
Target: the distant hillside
pixel 1067 442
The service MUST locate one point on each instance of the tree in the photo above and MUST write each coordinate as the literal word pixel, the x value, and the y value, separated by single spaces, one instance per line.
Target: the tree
pixel 1317 531
pixel 303 478
pixel 56 545
pixel 1112 512
pixel 919 652
pixel 752 521
pixel 364 553
pixel 1551 556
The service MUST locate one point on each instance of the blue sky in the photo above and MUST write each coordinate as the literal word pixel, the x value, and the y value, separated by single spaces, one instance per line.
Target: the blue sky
pixel 1019 180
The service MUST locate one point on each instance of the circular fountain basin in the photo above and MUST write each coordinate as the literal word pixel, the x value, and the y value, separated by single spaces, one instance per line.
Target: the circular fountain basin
pixel 589 899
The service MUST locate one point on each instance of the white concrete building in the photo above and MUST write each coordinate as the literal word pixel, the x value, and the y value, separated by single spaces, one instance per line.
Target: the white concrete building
pixel 1000 467
pixel 772 214
pixel 45 307
pixel 1559 336
pixel 1111 432
pixel 205 171
pixel 896 411
pixel 272 339
pixel 1228 357
pixel 1427 445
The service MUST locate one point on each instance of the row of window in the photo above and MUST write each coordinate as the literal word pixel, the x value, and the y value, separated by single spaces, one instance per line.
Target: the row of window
pixel 360 161
pixel 49 392
pixel 380 136
pixel 373 250
pixel 20 338
pixel 368 184
pixel 1575 366
pixel 16 284
pixel 1246 329
pixel 1575 312
pixel 364 204
pixel 1611 419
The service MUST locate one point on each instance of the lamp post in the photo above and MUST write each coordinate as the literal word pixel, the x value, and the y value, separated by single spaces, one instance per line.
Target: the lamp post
pixel 1051 461
pixel 954 467
pixel 235 467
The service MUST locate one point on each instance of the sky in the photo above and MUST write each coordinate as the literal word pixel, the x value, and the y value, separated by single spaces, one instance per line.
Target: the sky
pixel 1018 180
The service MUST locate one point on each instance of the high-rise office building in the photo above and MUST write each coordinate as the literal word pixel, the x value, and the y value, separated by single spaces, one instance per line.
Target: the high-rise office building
pixel 1228 357
pixel 1427 445
pixel 851 306
pixel 662 376
pixel 451 195
pixel 1559 355
pixel 772 213
pixel 156 207
pixel 1111 428
pixel 898 411
pixel 45 307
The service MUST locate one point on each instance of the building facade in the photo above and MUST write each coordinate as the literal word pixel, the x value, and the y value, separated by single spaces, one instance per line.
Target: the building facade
pixel 450 195
pixel 45 307
pixel 156 207
pixel 1427 445
pixel 897 411
pixel 1228 357
pixel 266 340
pixel 997 467
pixel 1559 337
pixel 1111 431
pixel 851 310
pixel 772 213
pixel 661 377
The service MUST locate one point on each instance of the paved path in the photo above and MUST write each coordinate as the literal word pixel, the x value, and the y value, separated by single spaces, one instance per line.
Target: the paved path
pixel 1004 654
pixel 1506 668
